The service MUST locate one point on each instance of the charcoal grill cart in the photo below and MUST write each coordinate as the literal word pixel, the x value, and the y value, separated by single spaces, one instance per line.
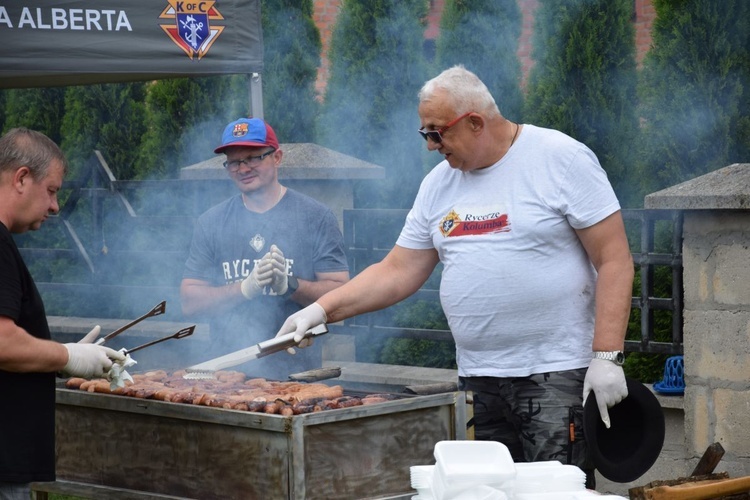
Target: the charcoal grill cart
pixel 164 449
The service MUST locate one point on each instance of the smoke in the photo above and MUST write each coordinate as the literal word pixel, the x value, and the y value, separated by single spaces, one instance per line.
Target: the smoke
pixel 370 113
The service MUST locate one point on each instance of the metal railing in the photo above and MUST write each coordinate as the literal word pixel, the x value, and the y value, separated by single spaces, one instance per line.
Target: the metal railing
pixel 660 248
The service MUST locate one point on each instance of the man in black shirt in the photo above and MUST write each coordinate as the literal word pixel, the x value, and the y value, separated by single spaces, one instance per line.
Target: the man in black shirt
pixel 31 172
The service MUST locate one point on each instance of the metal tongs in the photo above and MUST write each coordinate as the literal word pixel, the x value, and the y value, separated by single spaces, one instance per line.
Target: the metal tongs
pixel 206 369
pixel 157 310
pixel 160 308
pixel 185 332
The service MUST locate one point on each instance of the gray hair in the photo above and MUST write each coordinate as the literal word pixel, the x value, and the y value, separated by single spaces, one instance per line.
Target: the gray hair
pixel 465 90
pixel 23 147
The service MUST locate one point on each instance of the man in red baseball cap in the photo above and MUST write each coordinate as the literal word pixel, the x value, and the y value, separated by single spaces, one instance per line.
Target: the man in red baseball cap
pixel 258 257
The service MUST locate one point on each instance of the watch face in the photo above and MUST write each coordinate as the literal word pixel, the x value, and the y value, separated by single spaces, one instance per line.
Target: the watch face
pixel 617 357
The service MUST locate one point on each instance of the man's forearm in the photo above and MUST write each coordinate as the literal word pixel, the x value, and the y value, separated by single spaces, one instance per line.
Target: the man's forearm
pixel 614 291
pixel 310 291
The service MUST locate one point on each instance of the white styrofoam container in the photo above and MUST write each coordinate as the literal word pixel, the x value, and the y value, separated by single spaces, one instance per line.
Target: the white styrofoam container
pixel 462 465
pixel 421 479
pixel 544 477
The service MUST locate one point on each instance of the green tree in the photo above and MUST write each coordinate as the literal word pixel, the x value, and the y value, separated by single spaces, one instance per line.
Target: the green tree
pixel 695 96
pixel 483 36
pixel 108 118
pixel 584 80
pixel 185 118
pixel 40 109
pixel 370 112
pixel 291 56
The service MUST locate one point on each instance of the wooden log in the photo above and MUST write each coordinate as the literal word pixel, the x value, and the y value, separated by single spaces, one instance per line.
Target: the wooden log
pixel 700 490
pixel 639 492
pixel 709 460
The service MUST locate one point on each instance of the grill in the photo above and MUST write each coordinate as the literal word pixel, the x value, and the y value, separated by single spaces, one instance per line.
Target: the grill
pixel 195 451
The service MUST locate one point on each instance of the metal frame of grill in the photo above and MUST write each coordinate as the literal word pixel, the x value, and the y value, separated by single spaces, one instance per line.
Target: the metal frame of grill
pixel 194 451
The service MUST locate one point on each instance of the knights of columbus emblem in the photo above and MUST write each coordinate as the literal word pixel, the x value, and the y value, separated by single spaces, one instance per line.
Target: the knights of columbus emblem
pixel 192 31
pixel 449 223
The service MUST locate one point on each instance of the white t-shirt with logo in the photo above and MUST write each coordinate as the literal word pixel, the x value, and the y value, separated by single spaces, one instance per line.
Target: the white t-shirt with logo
pixel 517 286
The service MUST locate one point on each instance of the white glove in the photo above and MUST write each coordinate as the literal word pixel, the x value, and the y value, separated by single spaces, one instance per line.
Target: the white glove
pixel 260 277
pixel 91 336
pixel 89 360
pixel 280 281
pixel 300 322
pixel 607 380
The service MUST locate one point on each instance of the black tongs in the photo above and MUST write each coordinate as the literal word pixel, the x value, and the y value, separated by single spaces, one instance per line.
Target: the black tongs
pixel 156 311
pixel 185 332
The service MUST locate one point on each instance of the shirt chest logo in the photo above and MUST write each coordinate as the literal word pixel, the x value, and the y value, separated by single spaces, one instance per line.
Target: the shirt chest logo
pixel 257 242
pixel 454 224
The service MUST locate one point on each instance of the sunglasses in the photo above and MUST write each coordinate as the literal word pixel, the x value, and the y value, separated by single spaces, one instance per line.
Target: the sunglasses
pixel 250 161
pixel 436 136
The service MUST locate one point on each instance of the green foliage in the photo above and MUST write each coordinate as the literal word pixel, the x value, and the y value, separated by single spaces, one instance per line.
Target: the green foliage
pixel 291 56
pixel 477 32
pixel 425 353
pixel 370 112
pixel 695 91
pixel 109 118
pixel 186 117
pixel 39 109
pixel 646 367
pixel 584 80
pixel 415 352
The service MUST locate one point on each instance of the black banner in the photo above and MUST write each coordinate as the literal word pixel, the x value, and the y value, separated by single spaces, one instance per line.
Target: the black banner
pixel 50 43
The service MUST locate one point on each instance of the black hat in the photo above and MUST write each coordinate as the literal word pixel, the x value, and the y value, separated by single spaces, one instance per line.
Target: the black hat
pixel 631 445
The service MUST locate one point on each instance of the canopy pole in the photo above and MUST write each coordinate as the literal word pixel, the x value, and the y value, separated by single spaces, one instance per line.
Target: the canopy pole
pixel 256 96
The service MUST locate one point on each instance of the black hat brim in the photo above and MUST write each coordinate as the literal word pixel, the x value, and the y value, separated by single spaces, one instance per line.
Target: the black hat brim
pixel 631 445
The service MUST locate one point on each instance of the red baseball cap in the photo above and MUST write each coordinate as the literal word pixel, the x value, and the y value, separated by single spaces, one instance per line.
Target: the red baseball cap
pixel 248 132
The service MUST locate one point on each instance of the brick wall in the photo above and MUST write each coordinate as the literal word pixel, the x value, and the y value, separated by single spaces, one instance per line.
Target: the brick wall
pixel 528 7
pixel 324 15
pixel 325 12
pixel 644 19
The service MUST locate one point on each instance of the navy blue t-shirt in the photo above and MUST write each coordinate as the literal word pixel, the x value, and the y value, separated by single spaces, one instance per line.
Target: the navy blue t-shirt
pixel 227 241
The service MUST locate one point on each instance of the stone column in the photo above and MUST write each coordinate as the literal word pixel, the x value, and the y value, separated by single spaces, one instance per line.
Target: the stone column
pixel 716 275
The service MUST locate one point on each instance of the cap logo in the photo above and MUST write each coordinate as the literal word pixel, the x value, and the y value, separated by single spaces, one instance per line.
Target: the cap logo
pixel 239 130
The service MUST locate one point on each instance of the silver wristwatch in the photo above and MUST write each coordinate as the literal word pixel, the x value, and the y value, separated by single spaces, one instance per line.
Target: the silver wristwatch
pixel 617 357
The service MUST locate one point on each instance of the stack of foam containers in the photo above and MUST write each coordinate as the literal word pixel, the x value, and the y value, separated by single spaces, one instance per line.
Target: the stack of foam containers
pixel 472 470
pixel 547 481
pixel 552 481
pixel 484 470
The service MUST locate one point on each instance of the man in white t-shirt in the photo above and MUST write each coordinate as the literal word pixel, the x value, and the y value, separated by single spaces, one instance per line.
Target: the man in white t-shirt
pixel 537 273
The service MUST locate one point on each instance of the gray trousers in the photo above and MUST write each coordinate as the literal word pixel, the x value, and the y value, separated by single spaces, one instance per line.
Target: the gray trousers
pixel 539 417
